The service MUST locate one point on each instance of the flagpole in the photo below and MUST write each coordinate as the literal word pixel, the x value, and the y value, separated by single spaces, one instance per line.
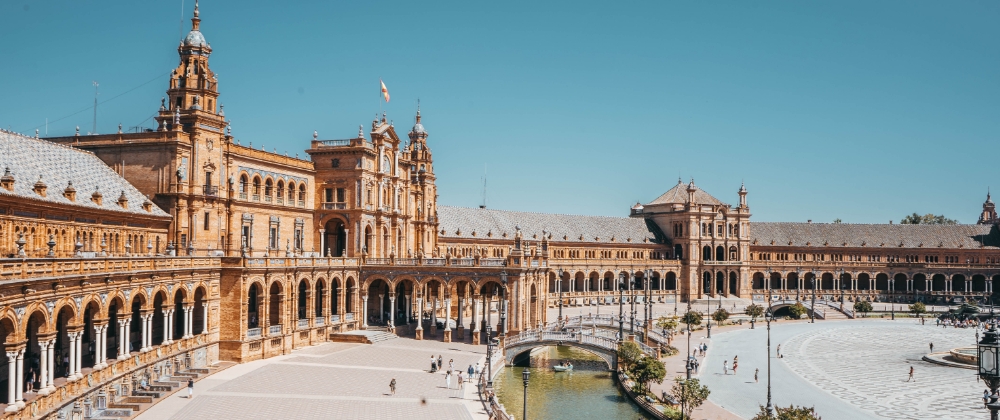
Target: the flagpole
pixel 380 82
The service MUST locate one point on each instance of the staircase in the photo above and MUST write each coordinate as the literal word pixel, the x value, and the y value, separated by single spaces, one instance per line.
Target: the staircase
pixel 832 314
pixel 141 399
pixel 380 337
pixel 371 335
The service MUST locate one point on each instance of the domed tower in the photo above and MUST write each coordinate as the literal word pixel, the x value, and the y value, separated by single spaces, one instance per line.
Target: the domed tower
pixel 989 214
pixel 422 187
pixel 194 87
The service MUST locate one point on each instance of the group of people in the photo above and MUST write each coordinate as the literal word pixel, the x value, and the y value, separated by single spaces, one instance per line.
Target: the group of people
pixel 725 365
pixel 436 364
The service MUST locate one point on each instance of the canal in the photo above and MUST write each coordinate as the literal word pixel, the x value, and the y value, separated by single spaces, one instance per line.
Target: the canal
pixel 589 392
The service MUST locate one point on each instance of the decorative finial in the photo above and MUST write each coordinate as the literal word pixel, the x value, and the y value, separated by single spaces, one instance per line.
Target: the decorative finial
pixel 222 110
pixel 361 131
pixel 36 136
pixel 383 116
pixel 163 103
pixel 195 8
pixel 229 129
pixel 177 118
pixel 119 128
pixel 315 135
pixel 77 130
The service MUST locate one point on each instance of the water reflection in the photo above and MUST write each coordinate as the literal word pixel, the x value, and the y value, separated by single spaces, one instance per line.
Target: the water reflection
pixel 588 392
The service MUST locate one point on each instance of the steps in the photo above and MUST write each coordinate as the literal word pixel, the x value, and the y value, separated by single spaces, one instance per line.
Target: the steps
pixel 833 314
pixel 369 336
pixel 141 399
pixel 380 337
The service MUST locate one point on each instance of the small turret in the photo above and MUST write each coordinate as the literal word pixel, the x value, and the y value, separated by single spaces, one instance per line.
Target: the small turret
pixel 989 214
pixel 7 181
pixel 743 196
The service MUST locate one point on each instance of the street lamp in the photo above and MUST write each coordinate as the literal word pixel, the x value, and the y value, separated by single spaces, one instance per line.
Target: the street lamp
pixel 503 303
pixel 524 376
pixel 768 316
pixel 892 302
pixel 708 308
pixel 989 367
pixel 812 314
pixel 631 288
pixel 621 307
pixel 490 345
pixel 560 274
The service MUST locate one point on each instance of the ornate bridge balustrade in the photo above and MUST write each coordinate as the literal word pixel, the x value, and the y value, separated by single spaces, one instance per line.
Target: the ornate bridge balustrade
pixel 604 347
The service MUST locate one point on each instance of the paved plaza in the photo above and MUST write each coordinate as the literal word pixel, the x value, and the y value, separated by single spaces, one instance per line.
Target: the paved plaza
pixel 846 369
pixel 335 380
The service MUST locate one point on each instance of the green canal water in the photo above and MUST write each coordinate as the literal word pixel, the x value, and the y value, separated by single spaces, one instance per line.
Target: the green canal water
pixel 589 392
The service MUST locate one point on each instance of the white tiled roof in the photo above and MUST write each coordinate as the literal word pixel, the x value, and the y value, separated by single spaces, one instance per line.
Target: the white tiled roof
pixel 564 228
pixel 28 158
pixel 874 235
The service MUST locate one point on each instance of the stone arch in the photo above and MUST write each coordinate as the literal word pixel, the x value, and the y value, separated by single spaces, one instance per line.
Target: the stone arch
pixel 899 282
pixel 670 280
pixel 302 289
pixel 958 283
pixel 319 291
pixel 792 281
pixel 920 282
pixel 775 281
pixel 864 281
pixel 350 295
pixel 199 314
pixel 734 288
pixel 881 282
pixel 758 281
pixel 275 292
pixel 978 283
pixel 938 282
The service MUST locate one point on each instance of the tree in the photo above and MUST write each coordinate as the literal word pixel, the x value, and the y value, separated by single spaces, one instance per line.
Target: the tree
pixel 754 311
pixel 918 308
pixel 669 324
pixel 863 306
pixel 927 219
pixel 720 315
pixel 628 354
pixel 691 393
pixel 795 311
pixel 837 220
pixel 647 370
pixel 691 318
pixel 788 413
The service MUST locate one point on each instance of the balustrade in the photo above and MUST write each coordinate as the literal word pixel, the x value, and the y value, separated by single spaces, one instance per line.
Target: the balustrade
pixel 253 333
pixel 274 330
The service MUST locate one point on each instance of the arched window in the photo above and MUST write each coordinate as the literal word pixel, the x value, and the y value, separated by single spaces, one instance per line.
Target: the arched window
pixel 302 194
pixel 706 253
pixel 291 193
pixel 243 186
pixel 256 186
pixel 268 190
pixel 280 194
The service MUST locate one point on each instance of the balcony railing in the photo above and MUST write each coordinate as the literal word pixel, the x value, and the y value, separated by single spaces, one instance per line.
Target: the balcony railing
pixel 267 198
pixel 303 323
pixel 377 261
pixel 256 197
pixel 274 330
pixel 253 333
pixel 335 143
pixel 243 196
pixel 434 261
pixel 349 316
pixel 280 200
pixel 493 262
pixel 334 206
pixel 334 318
pixel 211 190
pixel 302 203
pixel 320 321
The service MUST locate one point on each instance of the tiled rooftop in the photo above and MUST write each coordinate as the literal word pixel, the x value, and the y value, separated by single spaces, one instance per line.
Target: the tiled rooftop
pixel 679 195
pixel 874 235
pixel 493 224
pixel 28 158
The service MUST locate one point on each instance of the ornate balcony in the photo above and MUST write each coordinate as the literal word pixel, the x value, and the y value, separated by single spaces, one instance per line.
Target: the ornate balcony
pixel 210 190
pixel 253 333
pixel 274 330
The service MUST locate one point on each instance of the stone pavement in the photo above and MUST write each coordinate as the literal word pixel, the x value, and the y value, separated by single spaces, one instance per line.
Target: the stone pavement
pixel 336 380
pixel 847 370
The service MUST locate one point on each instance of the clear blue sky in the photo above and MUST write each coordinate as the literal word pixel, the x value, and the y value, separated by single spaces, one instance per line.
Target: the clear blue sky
pixel 861 110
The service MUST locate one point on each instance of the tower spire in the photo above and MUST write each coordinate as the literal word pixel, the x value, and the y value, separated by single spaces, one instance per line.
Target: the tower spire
pixel 195 21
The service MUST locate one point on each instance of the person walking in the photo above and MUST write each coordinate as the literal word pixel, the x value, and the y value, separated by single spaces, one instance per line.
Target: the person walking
pixel 725 367
pixel 911 375
pixel 451 364
pixel 471 371
pixel 736 364
pixel 779 351
pixel 986 398
pixel 755 373
pixel 190 388
pixel 392 387
pixel 440 359
pixel 447 380
pixel 433 364
pixel 932 347
pixel 461 381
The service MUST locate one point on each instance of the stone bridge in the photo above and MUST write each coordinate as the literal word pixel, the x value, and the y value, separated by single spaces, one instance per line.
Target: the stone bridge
pixel 604 347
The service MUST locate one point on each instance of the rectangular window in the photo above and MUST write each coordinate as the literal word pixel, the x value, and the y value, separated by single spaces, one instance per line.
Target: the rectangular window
pixel 328 195
pixel 341 196
pixel 272 238
pixel 184 241
pixel 335 163
pixel 206 220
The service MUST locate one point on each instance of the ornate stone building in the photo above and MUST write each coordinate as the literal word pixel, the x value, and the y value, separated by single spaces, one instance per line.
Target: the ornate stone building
pixel 134 255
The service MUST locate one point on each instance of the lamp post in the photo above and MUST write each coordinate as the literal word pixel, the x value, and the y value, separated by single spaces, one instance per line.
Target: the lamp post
pixel 989 367
pixel 812 313
pixel 631 287
pixel 708 309
pixel 621 307
pixel 767 317
pixel 503 303
pixel 524 376
pixel 559 280
pixel 489 353
pixel 892 302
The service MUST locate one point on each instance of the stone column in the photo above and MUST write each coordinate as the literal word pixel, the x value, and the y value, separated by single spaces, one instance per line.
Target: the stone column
pixel 144 318
pixel 168 318
pixel 459 326
pixel 475 319
pixel 71 374
pixel 364 312
pixel 854 283
pixel 79 355
pixel 188 321
pixel 408 304
pixel 19 396
pixel 52 366
pixel 381 308
pixel 392 310
pixel 11 380
pixel 99 346
pixel 204 317
pixel 419 332
pixel 122 339
pixel 447 320
pixel 43 374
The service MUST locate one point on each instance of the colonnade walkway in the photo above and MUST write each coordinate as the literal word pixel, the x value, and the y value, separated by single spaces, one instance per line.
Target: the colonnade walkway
pixel 336 380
